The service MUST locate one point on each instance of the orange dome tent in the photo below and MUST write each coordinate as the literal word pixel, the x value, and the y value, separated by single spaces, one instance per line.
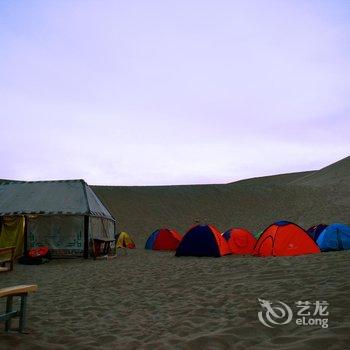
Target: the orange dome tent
pixel 284 238
pixel 163 239
pixel 240 241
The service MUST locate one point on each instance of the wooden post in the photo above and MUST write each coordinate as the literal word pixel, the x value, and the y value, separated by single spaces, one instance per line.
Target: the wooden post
pixel 86 236
pixel 23 313
pixel 8 311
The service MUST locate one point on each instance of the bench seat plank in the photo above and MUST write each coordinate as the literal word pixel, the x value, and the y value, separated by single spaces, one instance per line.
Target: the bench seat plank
pixel 16 290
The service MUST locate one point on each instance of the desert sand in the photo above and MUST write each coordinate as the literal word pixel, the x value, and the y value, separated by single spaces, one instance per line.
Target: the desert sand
pixel 153 300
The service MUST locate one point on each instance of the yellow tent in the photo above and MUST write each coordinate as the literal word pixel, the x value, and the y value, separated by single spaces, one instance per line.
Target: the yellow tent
pixel 12 233
pixel 125 241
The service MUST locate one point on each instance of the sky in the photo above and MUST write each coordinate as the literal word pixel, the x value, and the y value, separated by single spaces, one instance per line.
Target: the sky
pixel 172 92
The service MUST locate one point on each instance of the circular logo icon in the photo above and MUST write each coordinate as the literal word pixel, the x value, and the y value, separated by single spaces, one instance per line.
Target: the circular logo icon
pixel 274 313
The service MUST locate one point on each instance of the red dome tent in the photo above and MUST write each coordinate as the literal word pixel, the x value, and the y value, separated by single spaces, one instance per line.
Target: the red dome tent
pixel 163 239
pixel 203 240
pixel 240 241
pixel 284 238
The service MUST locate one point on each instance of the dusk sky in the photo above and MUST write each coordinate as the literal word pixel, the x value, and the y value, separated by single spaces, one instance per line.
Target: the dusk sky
pixel 172 92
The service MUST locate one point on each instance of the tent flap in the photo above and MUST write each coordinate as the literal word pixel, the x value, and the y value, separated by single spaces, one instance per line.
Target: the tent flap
pixel 12 233
pixel 101 229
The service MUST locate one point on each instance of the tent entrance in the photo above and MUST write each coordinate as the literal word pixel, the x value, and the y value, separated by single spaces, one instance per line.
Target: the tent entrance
pixel 12 233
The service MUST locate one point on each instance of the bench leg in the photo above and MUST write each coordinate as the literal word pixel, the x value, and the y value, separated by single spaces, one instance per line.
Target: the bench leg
pixel 23 314
pixel 8 310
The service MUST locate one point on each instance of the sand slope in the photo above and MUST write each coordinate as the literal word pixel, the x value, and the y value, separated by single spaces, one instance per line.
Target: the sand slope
pixel 252 203
pixel 336 174
pixel 272 180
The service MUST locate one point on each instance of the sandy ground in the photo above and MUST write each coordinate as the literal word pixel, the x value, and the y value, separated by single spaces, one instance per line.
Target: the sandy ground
pixel 153 300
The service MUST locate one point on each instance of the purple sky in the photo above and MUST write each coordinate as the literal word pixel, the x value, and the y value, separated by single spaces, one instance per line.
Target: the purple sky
pixel 172 92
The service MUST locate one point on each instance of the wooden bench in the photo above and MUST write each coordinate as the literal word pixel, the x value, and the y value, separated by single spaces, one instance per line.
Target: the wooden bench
pixel 21 291
pixel 10 260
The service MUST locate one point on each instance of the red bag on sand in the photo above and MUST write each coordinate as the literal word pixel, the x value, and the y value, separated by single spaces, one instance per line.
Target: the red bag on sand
pixel 38 252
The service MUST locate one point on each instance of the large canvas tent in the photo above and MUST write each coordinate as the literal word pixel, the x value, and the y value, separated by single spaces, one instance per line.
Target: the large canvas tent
pixel 63 215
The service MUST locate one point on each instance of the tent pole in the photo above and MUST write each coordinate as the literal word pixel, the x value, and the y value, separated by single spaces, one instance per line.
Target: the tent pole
pixel 86 236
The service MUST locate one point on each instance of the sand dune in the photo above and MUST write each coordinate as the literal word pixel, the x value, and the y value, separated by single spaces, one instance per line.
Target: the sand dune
pixel 252 203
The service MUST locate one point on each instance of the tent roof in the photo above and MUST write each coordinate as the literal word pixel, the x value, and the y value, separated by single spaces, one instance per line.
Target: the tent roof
pixel 62 197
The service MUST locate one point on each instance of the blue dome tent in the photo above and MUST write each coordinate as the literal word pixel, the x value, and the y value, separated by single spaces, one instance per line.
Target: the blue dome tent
pixel 334 237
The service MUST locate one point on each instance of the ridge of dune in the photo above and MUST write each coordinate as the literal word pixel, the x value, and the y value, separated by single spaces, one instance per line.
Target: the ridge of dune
pixel 269 180
pixel 337 173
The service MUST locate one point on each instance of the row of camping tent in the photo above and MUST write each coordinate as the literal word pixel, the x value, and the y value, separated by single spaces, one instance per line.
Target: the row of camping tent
pixel 282 238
